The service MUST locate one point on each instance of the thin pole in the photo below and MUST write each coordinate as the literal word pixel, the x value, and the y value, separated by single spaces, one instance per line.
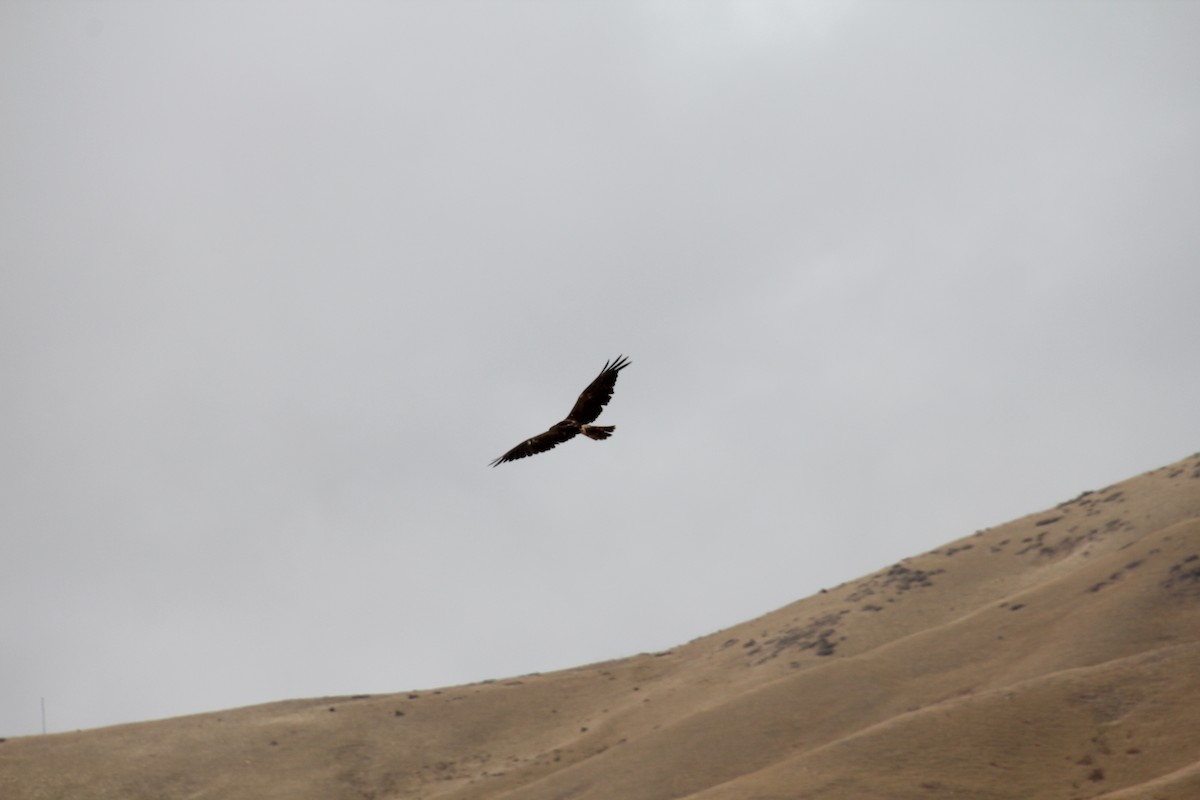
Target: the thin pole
pixel 43 716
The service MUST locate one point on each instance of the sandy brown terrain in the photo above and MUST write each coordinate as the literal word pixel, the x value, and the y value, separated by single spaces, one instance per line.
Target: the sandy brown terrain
pixel 1056 656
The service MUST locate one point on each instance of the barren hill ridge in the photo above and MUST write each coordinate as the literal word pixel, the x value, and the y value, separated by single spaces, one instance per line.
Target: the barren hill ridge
pixel 1056 656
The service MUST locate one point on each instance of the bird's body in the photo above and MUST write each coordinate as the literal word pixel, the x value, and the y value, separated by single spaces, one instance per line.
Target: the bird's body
pixel 589 405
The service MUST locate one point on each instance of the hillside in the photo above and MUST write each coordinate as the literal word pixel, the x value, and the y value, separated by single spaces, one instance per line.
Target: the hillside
pixel 1056 656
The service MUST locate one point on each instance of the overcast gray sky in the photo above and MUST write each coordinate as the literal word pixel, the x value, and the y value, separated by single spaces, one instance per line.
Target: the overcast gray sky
pixel 279 279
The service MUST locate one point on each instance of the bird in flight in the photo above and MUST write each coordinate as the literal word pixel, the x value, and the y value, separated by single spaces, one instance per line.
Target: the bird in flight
pixel 589 405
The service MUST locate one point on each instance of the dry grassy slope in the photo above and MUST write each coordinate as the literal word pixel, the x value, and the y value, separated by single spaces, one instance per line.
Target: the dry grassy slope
pixel 1056 656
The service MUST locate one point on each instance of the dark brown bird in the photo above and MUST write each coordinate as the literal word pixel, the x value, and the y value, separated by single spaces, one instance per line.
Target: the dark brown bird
pixel 589 405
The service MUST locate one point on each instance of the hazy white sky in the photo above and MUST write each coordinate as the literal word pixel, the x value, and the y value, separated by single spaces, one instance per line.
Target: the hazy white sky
pixel 279 279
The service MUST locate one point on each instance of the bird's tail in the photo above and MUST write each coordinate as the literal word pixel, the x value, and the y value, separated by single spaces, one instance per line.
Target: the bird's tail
pixel 598 431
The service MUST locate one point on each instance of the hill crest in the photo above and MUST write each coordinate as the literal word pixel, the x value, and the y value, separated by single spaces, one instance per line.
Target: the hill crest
pixel 1056 656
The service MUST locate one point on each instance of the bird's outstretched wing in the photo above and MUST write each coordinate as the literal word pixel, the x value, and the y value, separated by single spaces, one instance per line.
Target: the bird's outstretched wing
pixel 596 396
pixel 539 444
